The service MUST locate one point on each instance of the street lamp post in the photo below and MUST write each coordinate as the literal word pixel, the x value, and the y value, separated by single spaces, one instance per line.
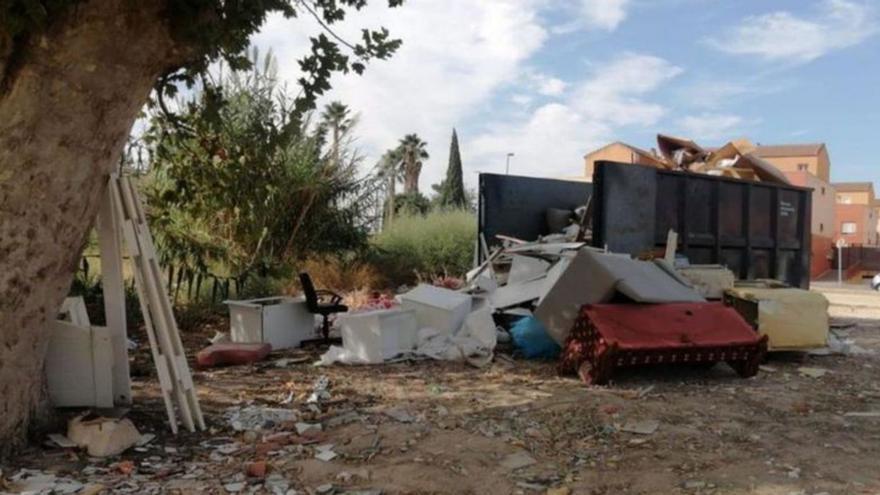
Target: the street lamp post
pixel 507 168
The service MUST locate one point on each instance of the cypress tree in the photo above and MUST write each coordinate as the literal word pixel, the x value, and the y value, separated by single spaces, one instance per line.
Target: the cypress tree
pixel 452 189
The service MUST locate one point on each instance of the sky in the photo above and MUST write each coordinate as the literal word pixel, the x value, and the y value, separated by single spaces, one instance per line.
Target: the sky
pixel 553 80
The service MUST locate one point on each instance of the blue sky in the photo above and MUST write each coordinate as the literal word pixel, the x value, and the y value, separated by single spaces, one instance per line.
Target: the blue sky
pixel 552 80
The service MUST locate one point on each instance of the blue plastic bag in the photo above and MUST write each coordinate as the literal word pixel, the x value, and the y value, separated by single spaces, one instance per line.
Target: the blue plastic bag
pixel 530 336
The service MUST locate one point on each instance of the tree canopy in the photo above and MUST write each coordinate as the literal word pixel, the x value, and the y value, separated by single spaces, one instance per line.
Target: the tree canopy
pixel 214 30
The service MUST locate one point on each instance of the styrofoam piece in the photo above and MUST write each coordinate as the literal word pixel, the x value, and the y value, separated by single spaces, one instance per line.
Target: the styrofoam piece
pixel 79 366
pixel 441 309
pixel 282 322
pixel 524 268
pixel 371 337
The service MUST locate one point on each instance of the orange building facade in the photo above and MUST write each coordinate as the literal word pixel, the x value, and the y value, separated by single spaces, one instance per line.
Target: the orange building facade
pixel 856 218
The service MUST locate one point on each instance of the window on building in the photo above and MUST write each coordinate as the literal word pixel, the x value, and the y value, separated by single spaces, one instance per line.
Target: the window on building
pixel 821 227
pixel 823 190
pixel 843 199
pixel 848 228
pixel 803 166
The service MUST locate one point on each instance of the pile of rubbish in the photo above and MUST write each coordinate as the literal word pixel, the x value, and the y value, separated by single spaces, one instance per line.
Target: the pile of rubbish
pixel 593 310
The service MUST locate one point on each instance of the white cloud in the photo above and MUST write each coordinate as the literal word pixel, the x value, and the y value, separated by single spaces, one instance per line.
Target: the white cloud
pixel 552 140
pixel 455 55
pixel 551 86
pixel 710 126
pixel 603 14
pixel 783 36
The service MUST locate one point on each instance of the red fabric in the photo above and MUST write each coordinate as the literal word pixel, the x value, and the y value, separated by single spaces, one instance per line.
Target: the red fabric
pixel 609 336
pixel 230 353
pixel 640 326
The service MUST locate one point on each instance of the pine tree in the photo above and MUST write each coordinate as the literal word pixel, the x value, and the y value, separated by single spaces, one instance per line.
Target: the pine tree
pixel 452 188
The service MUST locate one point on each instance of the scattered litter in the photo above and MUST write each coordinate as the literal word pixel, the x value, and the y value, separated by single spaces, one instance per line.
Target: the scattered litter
pixel 400 415
pixel 326 488
pixel 320 392
pixel 219 337
pixel 145 439
pixel 518 460
pixel 325 452
pixel 234 487
pixel 865 414
pixel 813 372
pixel 302 428
pixel 643 427
pixel 258 417
pixel 767 369
pixel 62 441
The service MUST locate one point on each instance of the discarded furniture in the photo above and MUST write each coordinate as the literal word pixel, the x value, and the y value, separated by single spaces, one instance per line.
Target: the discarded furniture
pixel 756 229
pixel 611 336
pixel 792 319
pixel 321 302
pixel 594 277
pixel 375 336
pixel 710 281
pixel 282 322
pixel 442 309
pixel 231 354
pixel 79 361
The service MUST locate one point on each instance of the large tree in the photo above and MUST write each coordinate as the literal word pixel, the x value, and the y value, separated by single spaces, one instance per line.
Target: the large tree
pixel 74 75
pixel 412 153
pixel 451 190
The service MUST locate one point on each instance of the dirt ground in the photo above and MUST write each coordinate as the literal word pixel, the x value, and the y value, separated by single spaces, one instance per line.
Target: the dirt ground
pixel 515 427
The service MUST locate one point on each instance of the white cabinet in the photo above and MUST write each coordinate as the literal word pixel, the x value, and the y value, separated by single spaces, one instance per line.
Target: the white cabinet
pixel 374 336
pixel 442 309
pixel 282 322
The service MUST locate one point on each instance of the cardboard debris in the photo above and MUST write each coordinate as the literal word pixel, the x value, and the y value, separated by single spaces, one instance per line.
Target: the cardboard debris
pixel 103 437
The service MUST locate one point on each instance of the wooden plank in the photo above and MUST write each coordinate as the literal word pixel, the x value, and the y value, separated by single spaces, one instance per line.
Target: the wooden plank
pixel 156 294
pixel 166 385
pixel 114 296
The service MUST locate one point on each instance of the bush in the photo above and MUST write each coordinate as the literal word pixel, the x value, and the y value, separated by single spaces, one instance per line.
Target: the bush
pixel 422 247
pixel 341 273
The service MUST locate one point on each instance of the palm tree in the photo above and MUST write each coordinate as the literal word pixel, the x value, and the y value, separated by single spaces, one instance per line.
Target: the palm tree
pixel 389 168
pixel 412 150
pixel 337 118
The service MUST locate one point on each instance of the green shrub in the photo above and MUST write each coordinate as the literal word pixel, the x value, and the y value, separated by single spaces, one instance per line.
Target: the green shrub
pixel 421 247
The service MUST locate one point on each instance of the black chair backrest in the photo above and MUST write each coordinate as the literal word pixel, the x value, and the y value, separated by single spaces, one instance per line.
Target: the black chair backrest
pixel 309 290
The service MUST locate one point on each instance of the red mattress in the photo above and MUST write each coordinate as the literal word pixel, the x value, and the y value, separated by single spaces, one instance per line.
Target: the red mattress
pixel 610 336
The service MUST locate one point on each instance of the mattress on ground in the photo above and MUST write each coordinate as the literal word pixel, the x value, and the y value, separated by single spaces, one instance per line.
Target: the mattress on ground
pixel 610 336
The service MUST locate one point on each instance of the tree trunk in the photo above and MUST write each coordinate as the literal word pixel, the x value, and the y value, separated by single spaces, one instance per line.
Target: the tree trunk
pixel 66 109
